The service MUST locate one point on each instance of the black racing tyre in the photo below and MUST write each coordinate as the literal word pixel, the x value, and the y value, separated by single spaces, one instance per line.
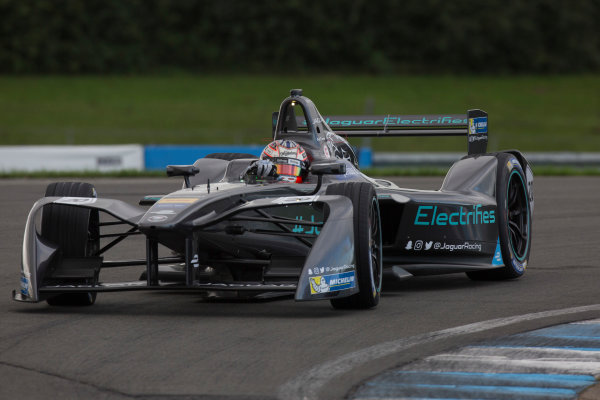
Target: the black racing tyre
pixel 75 231
pixel 367 244
pixel 514 220
pixel 229 156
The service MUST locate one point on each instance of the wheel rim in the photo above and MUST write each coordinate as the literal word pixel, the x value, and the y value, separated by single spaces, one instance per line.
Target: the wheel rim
pixel 375 246
pixel 518 215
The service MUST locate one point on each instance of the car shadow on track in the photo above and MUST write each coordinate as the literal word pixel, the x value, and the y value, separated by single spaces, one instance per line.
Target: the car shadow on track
pixel 182 304
pixel 160 305
pixel 437 283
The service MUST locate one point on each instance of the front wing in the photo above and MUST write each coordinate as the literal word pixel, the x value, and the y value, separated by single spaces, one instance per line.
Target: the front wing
pixel 329 260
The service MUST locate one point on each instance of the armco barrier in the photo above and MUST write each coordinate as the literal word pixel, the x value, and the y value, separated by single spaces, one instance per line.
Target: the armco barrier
pixel 159 156
pixel 72 158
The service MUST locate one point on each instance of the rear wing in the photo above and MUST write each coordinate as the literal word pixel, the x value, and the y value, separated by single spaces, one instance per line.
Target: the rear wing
pixel 473 125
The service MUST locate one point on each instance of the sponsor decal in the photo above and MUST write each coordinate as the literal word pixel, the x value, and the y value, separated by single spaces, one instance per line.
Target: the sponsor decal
pixel 509 165
pixel 287 153
pixel 430 216
pixel 340 149
pixel 76 200
pixel 24 286
pixel 157 218
pixel 295 199
pixel 309 230
pixel 337 269
pixel 285 178
pixel 122 284
pixel 109 161
pixel 269 151
pixel 517 265
pixel 178 200
pixel 400 120
pixel 332 283
pixel 477 125
pixel 497 260
pixel 477 138
pixel 468 246
pixel 342 268
pixel 288 161
pixel 426 246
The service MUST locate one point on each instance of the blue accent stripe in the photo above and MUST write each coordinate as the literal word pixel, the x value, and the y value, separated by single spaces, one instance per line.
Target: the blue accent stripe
pixel 365 157
pixel 392 382
pixel 497 259
pixel 557 336
pixel 536 378
pixel 570 329
pixel 471 384
pixel 159 156
pixel 511 346
pixel 516 390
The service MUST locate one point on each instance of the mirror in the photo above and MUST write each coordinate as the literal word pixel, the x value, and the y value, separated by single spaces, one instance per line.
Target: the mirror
pixel 328 168
pixel 181 170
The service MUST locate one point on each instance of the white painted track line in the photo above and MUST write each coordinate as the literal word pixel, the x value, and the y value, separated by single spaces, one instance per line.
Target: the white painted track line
pixel 308 384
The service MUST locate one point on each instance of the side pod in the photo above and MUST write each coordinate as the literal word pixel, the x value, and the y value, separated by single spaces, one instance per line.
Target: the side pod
pixel 473 174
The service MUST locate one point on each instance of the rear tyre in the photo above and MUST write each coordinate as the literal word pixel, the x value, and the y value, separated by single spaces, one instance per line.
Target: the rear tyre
pixel 74 230
pixel 367 244
pixel 514 221
pixel 229 156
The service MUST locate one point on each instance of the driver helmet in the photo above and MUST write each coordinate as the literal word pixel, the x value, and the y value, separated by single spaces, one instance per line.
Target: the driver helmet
pixel 289 158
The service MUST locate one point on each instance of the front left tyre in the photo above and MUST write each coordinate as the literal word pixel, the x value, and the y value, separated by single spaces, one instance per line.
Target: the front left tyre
pixel 74 230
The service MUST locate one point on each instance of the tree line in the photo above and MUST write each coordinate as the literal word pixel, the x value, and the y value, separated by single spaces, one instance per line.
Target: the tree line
pixel 348 36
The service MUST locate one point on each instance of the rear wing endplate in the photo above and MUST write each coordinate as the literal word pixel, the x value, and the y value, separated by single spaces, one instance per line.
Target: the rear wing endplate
pixel 473 125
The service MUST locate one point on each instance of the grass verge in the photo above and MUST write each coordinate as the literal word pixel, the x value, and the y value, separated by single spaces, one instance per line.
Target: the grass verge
pixel 531 113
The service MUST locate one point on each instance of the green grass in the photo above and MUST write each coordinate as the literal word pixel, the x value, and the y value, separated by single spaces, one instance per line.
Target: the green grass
pixel 531 113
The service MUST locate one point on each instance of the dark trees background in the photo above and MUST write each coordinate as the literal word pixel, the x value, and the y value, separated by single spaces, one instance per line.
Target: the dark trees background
pixel 385 36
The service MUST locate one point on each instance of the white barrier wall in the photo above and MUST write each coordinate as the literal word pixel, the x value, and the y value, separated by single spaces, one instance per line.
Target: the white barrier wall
pixel 71 158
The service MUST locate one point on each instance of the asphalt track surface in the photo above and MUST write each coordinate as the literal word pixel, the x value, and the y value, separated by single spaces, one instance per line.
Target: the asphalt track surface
pixel 179 346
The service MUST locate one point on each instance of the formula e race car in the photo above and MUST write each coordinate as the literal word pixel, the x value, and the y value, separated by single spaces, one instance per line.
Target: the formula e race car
pixel 301 219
